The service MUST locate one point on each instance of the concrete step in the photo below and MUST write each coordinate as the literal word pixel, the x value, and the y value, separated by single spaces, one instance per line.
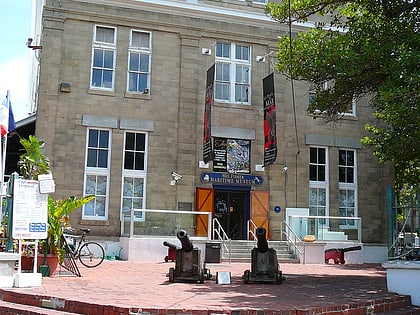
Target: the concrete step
pixel 240 251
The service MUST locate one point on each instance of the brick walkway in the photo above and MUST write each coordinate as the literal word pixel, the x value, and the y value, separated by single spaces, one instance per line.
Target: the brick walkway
pixel 121 287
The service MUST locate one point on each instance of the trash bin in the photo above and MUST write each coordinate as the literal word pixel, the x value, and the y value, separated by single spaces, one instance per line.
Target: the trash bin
pixel 213 252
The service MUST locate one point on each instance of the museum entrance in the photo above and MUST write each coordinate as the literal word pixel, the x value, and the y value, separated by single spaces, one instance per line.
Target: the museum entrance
pixel 231 208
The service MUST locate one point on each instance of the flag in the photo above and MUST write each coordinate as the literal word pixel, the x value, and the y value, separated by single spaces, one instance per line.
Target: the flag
pixel 7 119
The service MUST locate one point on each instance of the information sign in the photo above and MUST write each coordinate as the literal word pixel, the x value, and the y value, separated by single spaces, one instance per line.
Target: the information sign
pixel 30 210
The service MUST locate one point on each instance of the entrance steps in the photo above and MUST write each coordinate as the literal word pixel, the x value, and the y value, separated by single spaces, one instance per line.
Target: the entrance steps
pixel 240 251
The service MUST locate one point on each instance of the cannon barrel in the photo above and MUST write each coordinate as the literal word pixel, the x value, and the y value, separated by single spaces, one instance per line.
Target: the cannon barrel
pixel 170 245
pixel 262 243
pixel 186 244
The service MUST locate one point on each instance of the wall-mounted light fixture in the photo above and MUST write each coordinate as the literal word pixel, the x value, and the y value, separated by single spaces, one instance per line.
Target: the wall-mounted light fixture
pixel 65 87
pixel 33 47
pixel 206 51
pixel 146 91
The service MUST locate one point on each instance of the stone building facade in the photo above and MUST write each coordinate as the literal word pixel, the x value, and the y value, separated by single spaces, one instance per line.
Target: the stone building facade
pixel 120 104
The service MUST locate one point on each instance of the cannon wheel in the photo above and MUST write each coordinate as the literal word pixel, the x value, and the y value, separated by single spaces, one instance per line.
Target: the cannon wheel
pixel 201 277
pixel 171 274
pixel 246 276
pixel 279 277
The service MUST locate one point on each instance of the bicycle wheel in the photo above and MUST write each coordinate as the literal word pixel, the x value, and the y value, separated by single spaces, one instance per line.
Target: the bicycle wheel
pixel 91 254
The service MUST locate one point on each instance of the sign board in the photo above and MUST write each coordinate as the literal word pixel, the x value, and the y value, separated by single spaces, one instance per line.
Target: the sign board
pixel 30 210
pixel 231 179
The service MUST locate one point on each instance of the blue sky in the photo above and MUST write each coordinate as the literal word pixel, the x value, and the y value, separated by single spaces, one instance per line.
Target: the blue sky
pixel 15 25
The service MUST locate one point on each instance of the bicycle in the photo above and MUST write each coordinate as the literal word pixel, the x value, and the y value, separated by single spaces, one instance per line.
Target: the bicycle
pixel 90 254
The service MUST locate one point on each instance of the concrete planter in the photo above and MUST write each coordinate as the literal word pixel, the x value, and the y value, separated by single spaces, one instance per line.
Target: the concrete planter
pixel 403 277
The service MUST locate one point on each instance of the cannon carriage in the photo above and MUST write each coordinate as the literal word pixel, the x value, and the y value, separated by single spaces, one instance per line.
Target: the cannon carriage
pixel 264 264
pixel 189 266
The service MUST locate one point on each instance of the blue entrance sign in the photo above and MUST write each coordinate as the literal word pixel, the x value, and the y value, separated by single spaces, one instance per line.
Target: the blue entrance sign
pixel 231 179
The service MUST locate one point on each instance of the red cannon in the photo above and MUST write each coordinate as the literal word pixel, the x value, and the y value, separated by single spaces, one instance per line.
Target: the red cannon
pixel 337 254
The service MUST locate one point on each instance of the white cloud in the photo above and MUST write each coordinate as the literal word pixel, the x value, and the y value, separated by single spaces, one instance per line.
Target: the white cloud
pixel 14 76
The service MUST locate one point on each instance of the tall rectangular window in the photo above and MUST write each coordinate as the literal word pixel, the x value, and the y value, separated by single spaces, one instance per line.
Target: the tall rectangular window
pixel 103 57
pixel 96 182
pixel 347 186
pixel 134 173
pixel 233 73
pixel 318 183
pixel 139 59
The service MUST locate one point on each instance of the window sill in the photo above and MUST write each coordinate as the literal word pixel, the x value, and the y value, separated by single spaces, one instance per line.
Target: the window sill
pixel 101 92
pixel 99 222
pixel 233 105
pixel 138 95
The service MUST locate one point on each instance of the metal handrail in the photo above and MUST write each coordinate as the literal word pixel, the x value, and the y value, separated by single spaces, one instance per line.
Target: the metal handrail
pixel 291 241
pixel 219 233
pixel 251 231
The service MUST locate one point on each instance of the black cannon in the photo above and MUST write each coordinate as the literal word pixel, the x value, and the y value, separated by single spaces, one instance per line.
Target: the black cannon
pixel 188 264
pixel 264 265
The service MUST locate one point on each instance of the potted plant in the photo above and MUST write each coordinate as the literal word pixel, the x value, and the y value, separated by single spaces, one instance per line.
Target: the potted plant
pixel 33 162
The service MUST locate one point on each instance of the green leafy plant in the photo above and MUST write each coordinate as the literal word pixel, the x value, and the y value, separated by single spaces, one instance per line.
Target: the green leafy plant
pixel 58 219
pixel 33 162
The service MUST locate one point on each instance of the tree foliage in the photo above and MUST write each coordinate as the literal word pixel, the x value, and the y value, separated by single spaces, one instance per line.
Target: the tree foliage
pixel 361 48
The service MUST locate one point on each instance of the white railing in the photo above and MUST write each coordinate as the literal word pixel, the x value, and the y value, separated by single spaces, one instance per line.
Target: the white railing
pixel 327 228
pixel 152 222
pixel 251 230
pixel 220 234
pixel 292 239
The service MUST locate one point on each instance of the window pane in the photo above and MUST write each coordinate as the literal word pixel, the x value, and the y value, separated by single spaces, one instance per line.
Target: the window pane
pixel 92 158
pixel 140 142
pixel 90 185
pixel 139 161
pixel 321 173
pixel 138 187
pixel 109 59
pixel 321 156
pixel 105 35
pixel 100 206
pixel 313 155
pixel 107 79
pixel 312 172
pixel 350 158
pixel 133 82
pixel 103 158
pixel 103 139
pixel 140 40
pixel 342 157
pixel 101 185
pixel 93 138
pixel 98 58
pixel 97 77
pixel 242 52
pixel 134 62
pixel 342 175
pixel 144 63
pixel 129 161
pixel 223 50
pixel 143 82
pixel 350 177
pixel 129 141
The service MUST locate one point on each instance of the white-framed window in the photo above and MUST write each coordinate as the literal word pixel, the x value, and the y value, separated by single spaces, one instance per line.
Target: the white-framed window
pixel 103 57
pixel 134 173
pixel 139 62
pixel 318 183
pixel 260 1
pixel 347 180
pixel 97 169
pixel 233 73
pixel 351 108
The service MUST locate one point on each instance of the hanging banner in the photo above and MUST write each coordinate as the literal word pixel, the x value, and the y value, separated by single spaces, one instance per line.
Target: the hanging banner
pixel 270 138
pixel 207 146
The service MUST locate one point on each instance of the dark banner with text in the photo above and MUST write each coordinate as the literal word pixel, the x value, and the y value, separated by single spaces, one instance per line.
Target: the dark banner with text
pixel 270 138
pixel 207 146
